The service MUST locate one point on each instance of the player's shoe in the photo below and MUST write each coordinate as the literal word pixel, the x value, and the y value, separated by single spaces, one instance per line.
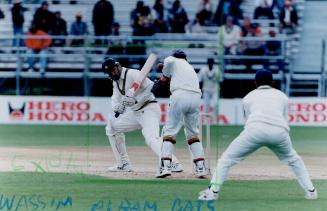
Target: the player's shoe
pixel 126 167
pixel 165 169
pixel 311 195
pixel 176 167
pixel 200 169
pixel 208 195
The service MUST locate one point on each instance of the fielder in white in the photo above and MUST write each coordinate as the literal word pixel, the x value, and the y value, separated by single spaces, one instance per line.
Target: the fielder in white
pixel 209 76
pixel 131 113
pixel 183 110
pixel 266 112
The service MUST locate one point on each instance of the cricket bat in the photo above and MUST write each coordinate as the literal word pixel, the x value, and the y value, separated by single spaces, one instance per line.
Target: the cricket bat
pixel 142 76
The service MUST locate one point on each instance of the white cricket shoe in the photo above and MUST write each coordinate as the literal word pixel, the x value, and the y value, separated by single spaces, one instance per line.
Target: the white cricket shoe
pixel 165 169
pixel 126 167
pixel 200 169
pixel 176 167
pixel 208 195
pixel 311 195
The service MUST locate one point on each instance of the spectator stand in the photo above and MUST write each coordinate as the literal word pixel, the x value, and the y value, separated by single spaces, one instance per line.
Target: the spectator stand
pixel 68 61
pixel 309 83
pixel 84 63
pixel 122 9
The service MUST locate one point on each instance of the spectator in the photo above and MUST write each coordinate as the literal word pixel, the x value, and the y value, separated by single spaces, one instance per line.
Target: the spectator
pixel 144 24
pixel 2 14
pixel 227 8
pixel 78 28
pixel 143 27
pixel 43 18
pixel 197 27
pixel 205 10
pixel 59 28
pixel 270 3
pixel 160 21
pixel 136 13
pixel 279 4
pixel 178 18
pixel 116 47
pixel 253 46
pixel 273 47
pixel 17 14
pixel 246 27
pixel 235 10
pixel 116 29
pixel 231 34
pixel 103 17
pixel 288 18
pixel 263 11
pixel 37 45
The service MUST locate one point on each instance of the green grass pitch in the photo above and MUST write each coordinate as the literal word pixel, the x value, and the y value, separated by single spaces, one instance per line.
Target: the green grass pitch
pixel 45 191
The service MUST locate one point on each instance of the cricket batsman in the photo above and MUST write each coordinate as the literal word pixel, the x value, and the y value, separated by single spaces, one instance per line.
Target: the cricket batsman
pixel 266 125
pixel 184 109
pixel 132 111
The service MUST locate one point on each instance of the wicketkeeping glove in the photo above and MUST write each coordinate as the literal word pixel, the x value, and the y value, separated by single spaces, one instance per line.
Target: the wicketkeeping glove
pixel 161 87
pixel 119 108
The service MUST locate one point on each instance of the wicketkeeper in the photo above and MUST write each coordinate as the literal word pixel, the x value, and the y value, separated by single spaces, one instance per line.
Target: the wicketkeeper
pixel 132 112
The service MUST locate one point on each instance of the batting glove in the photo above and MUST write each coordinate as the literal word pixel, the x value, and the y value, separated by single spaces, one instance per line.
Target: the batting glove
pixel 119 108
pixel 128 101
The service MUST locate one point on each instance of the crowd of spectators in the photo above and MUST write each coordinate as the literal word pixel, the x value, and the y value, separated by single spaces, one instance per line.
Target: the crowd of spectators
pixel 146 20
pixel 245 36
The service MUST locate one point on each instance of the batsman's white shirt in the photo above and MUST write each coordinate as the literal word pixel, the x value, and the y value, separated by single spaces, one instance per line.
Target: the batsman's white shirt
pixel 146 118
pixel 142 95
pixel 185 98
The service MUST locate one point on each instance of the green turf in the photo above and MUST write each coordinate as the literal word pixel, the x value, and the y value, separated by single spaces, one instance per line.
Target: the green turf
pixel 38 191
pixel 309 140
pixel 50 135
pixel 85 192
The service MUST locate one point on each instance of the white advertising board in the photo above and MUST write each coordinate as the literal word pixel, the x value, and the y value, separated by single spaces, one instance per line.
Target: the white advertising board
pixel 95 110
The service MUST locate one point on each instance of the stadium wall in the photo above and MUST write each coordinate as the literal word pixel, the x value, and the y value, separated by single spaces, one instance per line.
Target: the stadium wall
pixel 95 111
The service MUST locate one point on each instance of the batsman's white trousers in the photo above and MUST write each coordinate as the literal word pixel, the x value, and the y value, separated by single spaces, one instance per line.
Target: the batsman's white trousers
pixel 253 137
pixel 147 119
pixel 183 109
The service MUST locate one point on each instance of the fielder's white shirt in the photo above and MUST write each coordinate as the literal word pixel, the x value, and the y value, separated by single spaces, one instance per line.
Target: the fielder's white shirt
pixel 209 78
pixel 182 74
pixel 268 105
pixel 142 95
